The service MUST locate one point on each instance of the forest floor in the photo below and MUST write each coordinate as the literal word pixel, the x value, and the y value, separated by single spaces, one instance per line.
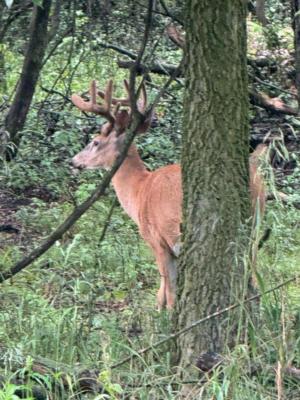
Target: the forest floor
pixel 11 232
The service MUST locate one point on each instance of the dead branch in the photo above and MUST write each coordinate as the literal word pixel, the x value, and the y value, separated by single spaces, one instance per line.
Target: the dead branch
pixel 169 13
pixel 284 198
pixel 262 82
pixel 118 49
pixel 274 105
pixel 155 68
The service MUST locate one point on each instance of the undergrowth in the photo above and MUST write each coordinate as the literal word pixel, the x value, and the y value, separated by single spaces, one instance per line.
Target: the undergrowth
pixel 90 301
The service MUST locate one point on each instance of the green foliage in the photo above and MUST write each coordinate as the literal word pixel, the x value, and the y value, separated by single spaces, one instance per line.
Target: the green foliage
pixel 113 389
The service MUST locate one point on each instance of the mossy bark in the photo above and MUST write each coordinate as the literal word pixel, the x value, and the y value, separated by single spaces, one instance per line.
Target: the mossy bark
pixel 215 170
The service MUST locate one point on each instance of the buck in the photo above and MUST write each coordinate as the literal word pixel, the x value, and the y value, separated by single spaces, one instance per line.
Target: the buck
pixel 152 199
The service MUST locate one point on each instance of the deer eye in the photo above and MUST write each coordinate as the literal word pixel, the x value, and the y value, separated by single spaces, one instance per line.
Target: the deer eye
pixel 95 143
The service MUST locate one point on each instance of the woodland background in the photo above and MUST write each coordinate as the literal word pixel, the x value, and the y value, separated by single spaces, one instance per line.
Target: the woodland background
pixel 89 301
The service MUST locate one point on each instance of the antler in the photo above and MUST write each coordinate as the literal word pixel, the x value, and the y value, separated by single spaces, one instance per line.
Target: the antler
pixel 126 101
pixel 92 105
pixel 115 118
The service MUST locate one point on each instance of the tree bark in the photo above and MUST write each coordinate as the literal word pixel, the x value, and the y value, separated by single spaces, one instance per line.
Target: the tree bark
pixel 260 12
pixel 35 51
pixel 215 171
pixel 295 7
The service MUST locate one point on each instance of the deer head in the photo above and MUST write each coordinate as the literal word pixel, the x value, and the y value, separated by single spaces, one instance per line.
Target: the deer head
pixel 104 148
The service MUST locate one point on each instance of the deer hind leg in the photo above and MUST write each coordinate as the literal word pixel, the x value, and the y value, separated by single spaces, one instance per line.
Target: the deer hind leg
pixel 167 267
pixel 256 227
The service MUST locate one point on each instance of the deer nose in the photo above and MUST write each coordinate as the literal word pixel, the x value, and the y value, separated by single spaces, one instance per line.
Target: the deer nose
pixel 75 165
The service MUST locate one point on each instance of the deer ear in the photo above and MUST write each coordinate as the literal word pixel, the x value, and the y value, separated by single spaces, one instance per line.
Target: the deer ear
pixel 122 121
pixel 146 124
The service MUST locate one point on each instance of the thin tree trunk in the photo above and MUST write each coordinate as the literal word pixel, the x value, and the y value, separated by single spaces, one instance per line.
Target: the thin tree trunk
pixel 35 51
pixel 3 86
pixel 295 6
pixel 215 174
pixel 260 12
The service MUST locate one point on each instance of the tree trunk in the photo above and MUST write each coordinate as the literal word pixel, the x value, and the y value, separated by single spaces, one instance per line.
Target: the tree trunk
pixel 260 12
pixel 35 51
pixel 3 86
pixel 215 170
pixel 295 6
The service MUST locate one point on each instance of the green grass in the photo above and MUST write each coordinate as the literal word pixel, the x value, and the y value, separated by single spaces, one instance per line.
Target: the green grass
pixel 91 304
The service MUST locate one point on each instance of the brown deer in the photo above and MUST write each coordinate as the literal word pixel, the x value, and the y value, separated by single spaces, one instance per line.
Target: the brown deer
pixel 152 199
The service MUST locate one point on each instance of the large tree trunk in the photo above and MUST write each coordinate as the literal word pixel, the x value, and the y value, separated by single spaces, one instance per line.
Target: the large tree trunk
pixel 35 51
pixel 215 173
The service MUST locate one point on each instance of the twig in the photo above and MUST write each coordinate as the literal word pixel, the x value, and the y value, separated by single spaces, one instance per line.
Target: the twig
pixel 56 44
pixel 107 220
pixel 146 33
pixel 135 67
pixel 52 91
pixel 169 14
pixel 200 321
pixel 120 50
pixel 174 75
pixel 155 67
pixel 272 86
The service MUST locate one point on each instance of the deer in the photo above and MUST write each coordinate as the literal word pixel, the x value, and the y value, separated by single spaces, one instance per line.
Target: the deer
pixel 153 199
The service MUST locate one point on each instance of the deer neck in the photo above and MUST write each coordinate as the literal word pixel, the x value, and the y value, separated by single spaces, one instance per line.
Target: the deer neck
pixel 127 181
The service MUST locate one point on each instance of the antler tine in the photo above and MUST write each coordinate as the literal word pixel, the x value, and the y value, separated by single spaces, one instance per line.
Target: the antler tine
pixel 116 109
pixel 92 105
pixel 108 94
pixel 93 91
pixel 123 102
pixel 126 85
pixel 142 104
pixel 108 99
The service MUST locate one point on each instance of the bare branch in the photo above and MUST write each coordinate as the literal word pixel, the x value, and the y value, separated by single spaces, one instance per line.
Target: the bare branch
pixel 120 50
pixel 169 13
pixel 156 68
pixel 274 105
pixel 135 67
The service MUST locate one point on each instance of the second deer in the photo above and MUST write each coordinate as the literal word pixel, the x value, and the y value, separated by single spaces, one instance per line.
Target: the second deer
pixel 152 199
